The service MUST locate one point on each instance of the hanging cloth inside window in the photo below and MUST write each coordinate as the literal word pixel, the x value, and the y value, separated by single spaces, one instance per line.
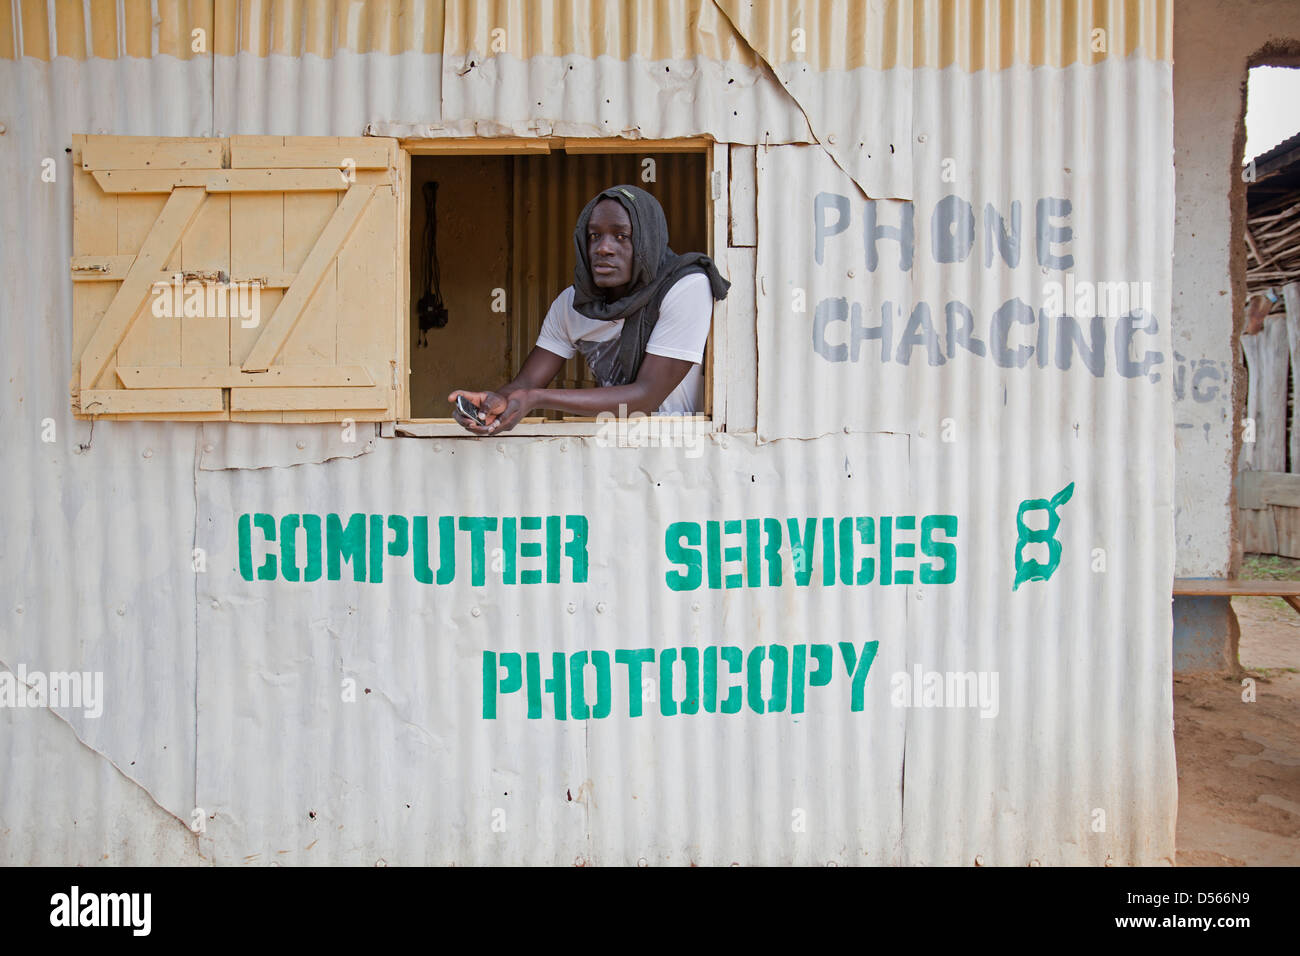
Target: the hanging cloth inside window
pixel 430 308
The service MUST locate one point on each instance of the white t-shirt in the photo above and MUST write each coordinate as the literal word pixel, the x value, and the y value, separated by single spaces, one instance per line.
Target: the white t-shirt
pixel 685 316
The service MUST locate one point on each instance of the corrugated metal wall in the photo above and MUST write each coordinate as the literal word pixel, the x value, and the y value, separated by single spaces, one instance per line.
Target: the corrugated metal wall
pixel 228 695
pixel 96 568
pixel 882 34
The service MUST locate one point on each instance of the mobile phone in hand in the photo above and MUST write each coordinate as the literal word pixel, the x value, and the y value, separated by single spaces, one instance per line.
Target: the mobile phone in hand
pixel 469 409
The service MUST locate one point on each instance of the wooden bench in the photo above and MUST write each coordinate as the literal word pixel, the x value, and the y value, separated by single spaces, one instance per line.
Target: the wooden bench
pixel 1288 591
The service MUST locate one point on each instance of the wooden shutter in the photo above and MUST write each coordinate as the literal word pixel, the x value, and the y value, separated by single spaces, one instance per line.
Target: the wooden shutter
pixel 308 229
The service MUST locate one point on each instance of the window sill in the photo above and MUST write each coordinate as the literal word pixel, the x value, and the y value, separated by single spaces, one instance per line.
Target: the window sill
pixel 694 425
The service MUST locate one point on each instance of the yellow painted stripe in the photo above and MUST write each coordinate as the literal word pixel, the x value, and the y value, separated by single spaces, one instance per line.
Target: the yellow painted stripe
pixel 137 28
pixel 225 28
pixel 103 29
pixel 833 34
pixel 996 34
pixel 35 36
pixel 970 34
pixel 70 29
pixel 7 46
pixel 650 29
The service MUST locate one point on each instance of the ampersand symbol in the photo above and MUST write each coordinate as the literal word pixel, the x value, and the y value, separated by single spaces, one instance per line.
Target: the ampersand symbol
pixel 1031 569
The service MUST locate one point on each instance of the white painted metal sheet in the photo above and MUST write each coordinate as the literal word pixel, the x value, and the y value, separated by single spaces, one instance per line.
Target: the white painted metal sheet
pixel 225 695
pixel 97 562
pixel 652 69
pixel 1022 406
pixel 1022 214
pixel 308 95
pixel 411 771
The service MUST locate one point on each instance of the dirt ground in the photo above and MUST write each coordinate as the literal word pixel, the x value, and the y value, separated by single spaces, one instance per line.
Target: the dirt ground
pixel 1239 762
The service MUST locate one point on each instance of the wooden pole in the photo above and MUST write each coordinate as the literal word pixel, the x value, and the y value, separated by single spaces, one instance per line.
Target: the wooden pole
pixel 1267 358
pixel 1291 297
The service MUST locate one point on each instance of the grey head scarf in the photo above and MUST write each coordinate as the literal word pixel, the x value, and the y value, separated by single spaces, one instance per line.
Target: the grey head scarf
pixel 655 269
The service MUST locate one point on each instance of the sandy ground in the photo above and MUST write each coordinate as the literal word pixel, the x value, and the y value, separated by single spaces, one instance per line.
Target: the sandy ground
pixel 1239 762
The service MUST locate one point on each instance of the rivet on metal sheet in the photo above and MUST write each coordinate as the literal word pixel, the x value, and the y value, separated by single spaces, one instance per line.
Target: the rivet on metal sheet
pixel 302 445
pixel 921 138
pixel 695 605
pixel 979 860
pixel 148 453
pixel 474 612
pixel 209 448
pixel 572 608
pixel 216 605
pixel 600 607
pixel 19 609
pixel 437 447
pixel 121 610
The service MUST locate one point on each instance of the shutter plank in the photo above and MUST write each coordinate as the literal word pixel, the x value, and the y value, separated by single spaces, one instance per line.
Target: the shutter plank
pixel 125 152
pixel 367 156
pixel 306 217
pixel 151 339
pixel 234 180
pixel 327 247
pixel 367 294
pixel 121 401
pixel 298 399
pixel 281 376
pixel 94 233
pixel 205 340
pixel 162 240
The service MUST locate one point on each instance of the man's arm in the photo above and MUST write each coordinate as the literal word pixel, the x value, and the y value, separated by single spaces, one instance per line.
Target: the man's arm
pixel 655 381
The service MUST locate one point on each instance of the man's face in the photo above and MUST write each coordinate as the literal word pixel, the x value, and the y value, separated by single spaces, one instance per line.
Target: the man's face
pixel 609 247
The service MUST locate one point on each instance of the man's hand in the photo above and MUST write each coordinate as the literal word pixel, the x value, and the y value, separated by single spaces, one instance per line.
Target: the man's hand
pixel 500 412
pixel 503 408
